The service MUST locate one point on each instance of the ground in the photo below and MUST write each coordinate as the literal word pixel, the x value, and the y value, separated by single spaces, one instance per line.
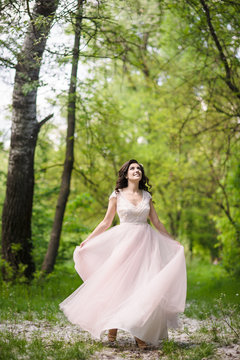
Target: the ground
pixel 195 339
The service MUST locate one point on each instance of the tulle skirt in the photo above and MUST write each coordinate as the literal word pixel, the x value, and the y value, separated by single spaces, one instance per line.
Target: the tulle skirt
pixel 134 280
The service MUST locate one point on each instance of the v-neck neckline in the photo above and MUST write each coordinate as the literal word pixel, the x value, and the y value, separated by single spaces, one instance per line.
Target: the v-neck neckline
pixel 130 201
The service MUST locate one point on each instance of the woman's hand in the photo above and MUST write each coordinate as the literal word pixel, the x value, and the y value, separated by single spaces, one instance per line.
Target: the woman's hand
pixel 82 243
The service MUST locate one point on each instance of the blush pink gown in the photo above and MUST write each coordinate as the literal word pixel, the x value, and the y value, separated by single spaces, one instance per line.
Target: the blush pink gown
pixel 134 278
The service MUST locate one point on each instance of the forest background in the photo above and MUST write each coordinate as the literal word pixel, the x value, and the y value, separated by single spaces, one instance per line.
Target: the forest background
pixel 161 87
pixel 154 80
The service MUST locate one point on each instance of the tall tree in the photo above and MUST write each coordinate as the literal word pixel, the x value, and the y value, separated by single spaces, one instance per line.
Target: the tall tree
pixel 17 210
pixel 52 251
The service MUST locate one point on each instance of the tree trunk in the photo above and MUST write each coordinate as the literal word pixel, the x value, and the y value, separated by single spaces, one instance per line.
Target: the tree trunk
pixel 50 257
pixel 17 209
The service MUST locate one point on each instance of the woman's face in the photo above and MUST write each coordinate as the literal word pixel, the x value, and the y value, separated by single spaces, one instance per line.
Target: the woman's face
pixel 134 172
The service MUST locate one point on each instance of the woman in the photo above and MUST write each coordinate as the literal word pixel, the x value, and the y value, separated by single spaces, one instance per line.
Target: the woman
pixel 134 276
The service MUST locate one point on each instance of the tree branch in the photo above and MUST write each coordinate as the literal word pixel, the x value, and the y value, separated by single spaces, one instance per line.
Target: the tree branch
pixel 48 167
pixel 92 184
pixel 7 62
pixel 41 123
pixel 228 78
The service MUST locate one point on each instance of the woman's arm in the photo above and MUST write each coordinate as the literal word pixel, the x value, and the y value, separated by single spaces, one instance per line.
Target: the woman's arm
pixel 155 220
pixel 106 222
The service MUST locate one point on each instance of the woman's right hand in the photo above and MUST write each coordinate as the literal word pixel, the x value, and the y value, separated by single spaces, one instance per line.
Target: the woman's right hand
pixel 82 243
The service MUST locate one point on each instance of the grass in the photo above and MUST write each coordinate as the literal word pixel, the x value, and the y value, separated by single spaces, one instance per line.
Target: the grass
pixel 212 295
pixel 207 285
pixel 177 351
pixel 17 348
pixel 39 299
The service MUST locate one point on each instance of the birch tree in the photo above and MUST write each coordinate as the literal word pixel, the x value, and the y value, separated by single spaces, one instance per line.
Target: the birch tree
pixel 17 209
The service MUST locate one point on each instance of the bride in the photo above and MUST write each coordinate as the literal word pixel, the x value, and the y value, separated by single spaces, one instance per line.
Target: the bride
pixel 134 276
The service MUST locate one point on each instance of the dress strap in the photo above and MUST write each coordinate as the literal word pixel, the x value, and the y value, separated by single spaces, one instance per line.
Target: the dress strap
pixel 113 195
pixel 149 196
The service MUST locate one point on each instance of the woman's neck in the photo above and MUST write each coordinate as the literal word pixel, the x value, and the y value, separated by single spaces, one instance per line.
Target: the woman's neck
pixel 133 186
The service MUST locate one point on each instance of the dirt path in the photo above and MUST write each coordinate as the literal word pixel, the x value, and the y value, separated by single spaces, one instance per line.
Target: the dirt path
pixel 189 334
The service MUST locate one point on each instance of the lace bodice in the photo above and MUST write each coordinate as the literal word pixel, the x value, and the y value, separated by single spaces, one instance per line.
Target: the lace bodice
pixel 129 213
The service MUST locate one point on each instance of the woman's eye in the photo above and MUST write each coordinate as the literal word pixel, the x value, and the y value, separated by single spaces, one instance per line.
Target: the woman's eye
pixel 132 168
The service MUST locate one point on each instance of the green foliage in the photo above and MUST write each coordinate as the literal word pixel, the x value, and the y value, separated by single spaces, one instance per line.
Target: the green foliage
pixel 207 283
pixel 41 298
pixel 157 91
pixel 14 347
pixel 178 351
pixel 30 86
pixel 229 227
pixel 48 169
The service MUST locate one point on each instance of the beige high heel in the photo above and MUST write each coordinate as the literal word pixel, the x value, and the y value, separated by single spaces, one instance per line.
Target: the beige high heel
pixel 140 343
pixel 112 335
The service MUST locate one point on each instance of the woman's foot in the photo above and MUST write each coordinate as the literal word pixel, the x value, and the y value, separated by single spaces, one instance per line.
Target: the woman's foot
pixel 140 343
pixel 112 334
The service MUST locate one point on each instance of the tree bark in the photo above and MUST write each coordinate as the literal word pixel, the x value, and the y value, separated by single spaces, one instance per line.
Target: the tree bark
pixel 17 209
pixel 50 257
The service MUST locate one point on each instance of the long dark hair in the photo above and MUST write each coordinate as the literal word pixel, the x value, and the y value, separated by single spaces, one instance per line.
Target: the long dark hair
pixel 122 182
